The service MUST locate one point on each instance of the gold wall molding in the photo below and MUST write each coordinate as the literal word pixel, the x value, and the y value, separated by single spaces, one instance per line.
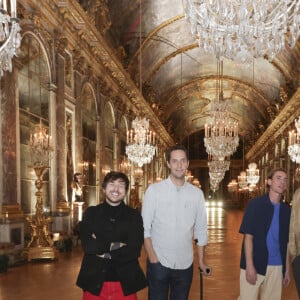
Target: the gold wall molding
pixel 277 128
pixel 11 212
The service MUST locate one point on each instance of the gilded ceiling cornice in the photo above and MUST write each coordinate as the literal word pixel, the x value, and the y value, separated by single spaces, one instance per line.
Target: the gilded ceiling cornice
pixel 75 23
pixel 277 127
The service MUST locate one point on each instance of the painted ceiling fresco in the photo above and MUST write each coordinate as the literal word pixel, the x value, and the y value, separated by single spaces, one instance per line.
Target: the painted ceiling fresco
pixel 179 80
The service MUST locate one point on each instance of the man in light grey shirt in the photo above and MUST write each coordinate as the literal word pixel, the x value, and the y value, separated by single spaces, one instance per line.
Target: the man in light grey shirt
pixel 174 214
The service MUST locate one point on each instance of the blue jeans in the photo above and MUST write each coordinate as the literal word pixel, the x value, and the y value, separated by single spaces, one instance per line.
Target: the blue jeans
pixel 162 279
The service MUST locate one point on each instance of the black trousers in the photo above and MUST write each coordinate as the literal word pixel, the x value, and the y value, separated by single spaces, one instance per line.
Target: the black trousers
pixel 296 273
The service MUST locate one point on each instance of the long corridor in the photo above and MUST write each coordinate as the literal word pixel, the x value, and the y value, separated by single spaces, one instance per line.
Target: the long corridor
pixel 56 280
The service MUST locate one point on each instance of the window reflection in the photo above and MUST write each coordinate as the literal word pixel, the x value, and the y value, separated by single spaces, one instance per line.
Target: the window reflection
pixel 33 81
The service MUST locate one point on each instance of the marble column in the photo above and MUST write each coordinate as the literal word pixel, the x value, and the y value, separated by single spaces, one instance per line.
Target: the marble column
pixel 53 164
pixel 9 179
pixel 11 215
pixel 8 136
pixel 61 131
pixel 78 78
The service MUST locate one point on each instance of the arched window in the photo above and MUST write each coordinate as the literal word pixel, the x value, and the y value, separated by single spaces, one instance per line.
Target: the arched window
pixel 33 80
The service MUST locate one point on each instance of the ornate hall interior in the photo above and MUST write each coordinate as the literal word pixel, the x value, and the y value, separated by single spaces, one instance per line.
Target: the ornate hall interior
pixel 85 73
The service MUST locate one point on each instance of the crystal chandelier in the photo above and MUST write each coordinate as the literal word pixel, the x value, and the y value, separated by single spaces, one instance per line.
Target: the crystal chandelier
pixel 10 38
pixel 40 144
pixel 221 137
pixel 140 147
pixel 242 29
pixel 232 186
pixel 217 168
pixel 252 174
pixel 294 143
pixel 242 181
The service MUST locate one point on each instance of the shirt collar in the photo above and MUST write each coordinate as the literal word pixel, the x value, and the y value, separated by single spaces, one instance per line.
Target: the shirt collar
pixel 174 186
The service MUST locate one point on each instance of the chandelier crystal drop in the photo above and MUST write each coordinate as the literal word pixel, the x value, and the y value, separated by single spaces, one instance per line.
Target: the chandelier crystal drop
pixel 217 165
pixel 140 147
pixel 214 183
pixel 294 142
pixel 242 29
pixel 10 38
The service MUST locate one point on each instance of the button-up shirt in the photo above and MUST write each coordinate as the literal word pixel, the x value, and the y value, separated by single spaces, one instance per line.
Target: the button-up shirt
pixel 172 215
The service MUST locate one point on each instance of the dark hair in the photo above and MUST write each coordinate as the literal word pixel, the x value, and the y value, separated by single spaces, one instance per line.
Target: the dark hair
pixel 75 179
pixel 114 175
pixel 174 148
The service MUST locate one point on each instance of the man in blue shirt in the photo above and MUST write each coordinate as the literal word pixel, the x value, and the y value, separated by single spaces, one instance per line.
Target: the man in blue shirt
pixel 264 258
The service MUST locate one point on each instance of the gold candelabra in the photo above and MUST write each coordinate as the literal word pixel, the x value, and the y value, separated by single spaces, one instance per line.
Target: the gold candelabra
pixel 40 245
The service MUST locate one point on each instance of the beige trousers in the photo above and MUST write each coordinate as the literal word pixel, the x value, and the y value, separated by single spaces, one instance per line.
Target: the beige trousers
pixel 268 286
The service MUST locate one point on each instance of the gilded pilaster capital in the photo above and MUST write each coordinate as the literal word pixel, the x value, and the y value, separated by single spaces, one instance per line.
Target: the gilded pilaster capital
pixel 60 45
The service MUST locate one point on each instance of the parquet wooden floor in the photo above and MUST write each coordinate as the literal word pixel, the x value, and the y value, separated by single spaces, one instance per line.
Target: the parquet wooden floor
pixel 56 280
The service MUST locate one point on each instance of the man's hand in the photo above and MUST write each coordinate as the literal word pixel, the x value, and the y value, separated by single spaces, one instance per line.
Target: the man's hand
pixel 286 279
pixel 251 275
pixel 150 251
pixel 206 270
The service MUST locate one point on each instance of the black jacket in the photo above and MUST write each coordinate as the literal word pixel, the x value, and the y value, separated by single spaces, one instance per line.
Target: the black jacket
pixel 97 231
